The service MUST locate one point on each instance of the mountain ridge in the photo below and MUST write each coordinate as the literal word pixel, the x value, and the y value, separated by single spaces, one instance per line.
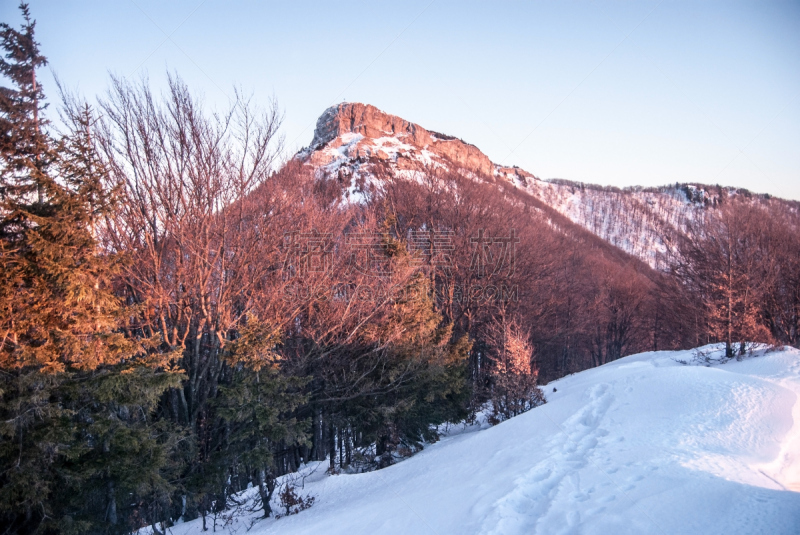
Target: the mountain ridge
pixel 356 142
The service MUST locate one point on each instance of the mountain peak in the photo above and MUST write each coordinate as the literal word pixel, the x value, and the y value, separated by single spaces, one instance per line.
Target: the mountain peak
pixel 352 132
pixel 367 120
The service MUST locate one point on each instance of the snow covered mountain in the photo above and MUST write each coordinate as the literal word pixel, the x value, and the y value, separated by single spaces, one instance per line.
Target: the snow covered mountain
pixel 357 143
pixel 716 451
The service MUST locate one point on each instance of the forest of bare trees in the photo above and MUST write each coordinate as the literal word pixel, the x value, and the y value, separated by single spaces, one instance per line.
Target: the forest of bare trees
pixel 185 315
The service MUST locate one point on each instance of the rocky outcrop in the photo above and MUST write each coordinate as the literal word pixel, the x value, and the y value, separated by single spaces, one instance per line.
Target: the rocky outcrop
pixel 354 130
pixel 368 121
pixel 465 155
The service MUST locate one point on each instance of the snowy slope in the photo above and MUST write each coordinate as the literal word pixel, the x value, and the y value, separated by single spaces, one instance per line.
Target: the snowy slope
pixel 645 444
pixel 644 222
pixel 641 222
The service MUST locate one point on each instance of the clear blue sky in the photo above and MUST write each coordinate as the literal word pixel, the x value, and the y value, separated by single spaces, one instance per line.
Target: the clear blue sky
pixel 617 93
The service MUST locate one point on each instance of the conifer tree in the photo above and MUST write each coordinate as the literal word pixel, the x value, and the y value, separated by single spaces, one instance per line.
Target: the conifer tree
pixel 76 393
pixel 256 407
pixel 24 144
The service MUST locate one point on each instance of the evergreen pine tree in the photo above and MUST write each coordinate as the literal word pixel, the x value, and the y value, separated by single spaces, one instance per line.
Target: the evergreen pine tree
pixel 76 393
pixel 256 409
pixel 24 144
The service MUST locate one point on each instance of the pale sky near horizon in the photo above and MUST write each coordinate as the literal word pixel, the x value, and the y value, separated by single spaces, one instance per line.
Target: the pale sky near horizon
pixel 615 93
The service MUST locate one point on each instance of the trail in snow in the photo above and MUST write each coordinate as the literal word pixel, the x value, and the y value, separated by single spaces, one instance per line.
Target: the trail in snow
pixel 641 445
pixel 530 501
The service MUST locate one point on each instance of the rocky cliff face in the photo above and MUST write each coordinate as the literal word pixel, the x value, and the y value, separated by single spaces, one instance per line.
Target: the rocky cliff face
pixel 367 120
pixel 361 131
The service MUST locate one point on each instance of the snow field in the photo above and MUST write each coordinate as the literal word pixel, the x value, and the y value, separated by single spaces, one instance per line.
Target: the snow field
pixel 644 444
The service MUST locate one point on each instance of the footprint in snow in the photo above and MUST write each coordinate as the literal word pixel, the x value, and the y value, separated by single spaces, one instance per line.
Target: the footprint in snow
pixel 573 518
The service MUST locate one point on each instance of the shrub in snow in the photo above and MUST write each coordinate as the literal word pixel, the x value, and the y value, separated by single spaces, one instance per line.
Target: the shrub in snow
pixel 513 375
pixel 291 502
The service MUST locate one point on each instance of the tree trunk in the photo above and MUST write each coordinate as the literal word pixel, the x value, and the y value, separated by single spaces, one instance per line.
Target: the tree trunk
pixel 111 511
pixel 332 446
pixel 266 486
